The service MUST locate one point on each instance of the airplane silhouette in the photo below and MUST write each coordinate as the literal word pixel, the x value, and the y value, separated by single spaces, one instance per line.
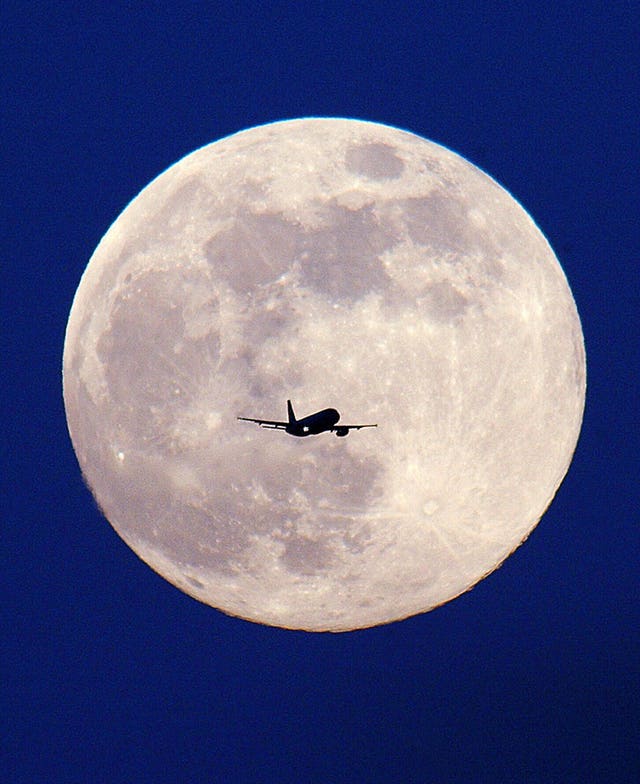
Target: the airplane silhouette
pixel 321 422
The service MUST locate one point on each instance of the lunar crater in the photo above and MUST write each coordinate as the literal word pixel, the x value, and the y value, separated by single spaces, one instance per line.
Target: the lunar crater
pixel 374 160
pixel 335 259
pixel 307 556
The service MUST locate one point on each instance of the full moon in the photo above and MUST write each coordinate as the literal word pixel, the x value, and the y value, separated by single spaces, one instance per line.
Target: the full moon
pixel 336 263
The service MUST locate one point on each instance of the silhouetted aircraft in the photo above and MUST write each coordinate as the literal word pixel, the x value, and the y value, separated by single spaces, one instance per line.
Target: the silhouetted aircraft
pixel 321 422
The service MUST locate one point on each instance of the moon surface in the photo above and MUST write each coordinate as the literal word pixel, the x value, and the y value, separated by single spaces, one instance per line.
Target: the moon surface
pixel 343 264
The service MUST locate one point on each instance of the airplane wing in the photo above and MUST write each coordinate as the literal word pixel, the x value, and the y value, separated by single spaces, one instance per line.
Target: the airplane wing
pixel 350 427
pixel 266 423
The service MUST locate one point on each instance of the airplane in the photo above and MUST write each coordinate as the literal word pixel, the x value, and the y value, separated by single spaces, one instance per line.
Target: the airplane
pixel 321 422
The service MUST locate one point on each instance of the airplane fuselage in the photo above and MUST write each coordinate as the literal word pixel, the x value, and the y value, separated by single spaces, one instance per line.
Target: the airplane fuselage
pixel 319 422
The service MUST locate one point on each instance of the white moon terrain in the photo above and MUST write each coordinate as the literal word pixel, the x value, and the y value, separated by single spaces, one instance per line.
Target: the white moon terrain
pixel 340 264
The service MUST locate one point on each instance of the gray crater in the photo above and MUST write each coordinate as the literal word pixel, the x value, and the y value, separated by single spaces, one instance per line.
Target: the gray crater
pixel 375 161
pixel 440 221
pixel 307 556
pixel 254 251
pixel 443 302
pixel 342 260
pixel 149 363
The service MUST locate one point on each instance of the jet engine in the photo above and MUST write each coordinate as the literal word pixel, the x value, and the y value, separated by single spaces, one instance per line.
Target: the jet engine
pixel 341 432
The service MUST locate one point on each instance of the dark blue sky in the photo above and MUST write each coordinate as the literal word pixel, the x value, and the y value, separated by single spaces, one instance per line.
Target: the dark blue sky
pixel 109 673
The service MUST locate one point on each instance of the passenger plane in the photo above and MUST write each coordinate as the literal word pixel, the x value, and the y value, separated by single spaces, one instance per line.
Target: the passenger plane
pixel 321 422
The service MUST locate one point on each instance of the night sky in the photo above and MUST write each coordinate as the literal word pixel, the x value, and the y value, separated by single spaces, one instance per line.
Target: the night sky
pixel 110 674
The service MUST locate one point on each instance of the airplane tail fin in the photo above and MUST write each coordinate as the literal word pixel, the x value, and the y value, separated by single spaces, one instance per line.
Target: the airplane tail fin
pixel 292 416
